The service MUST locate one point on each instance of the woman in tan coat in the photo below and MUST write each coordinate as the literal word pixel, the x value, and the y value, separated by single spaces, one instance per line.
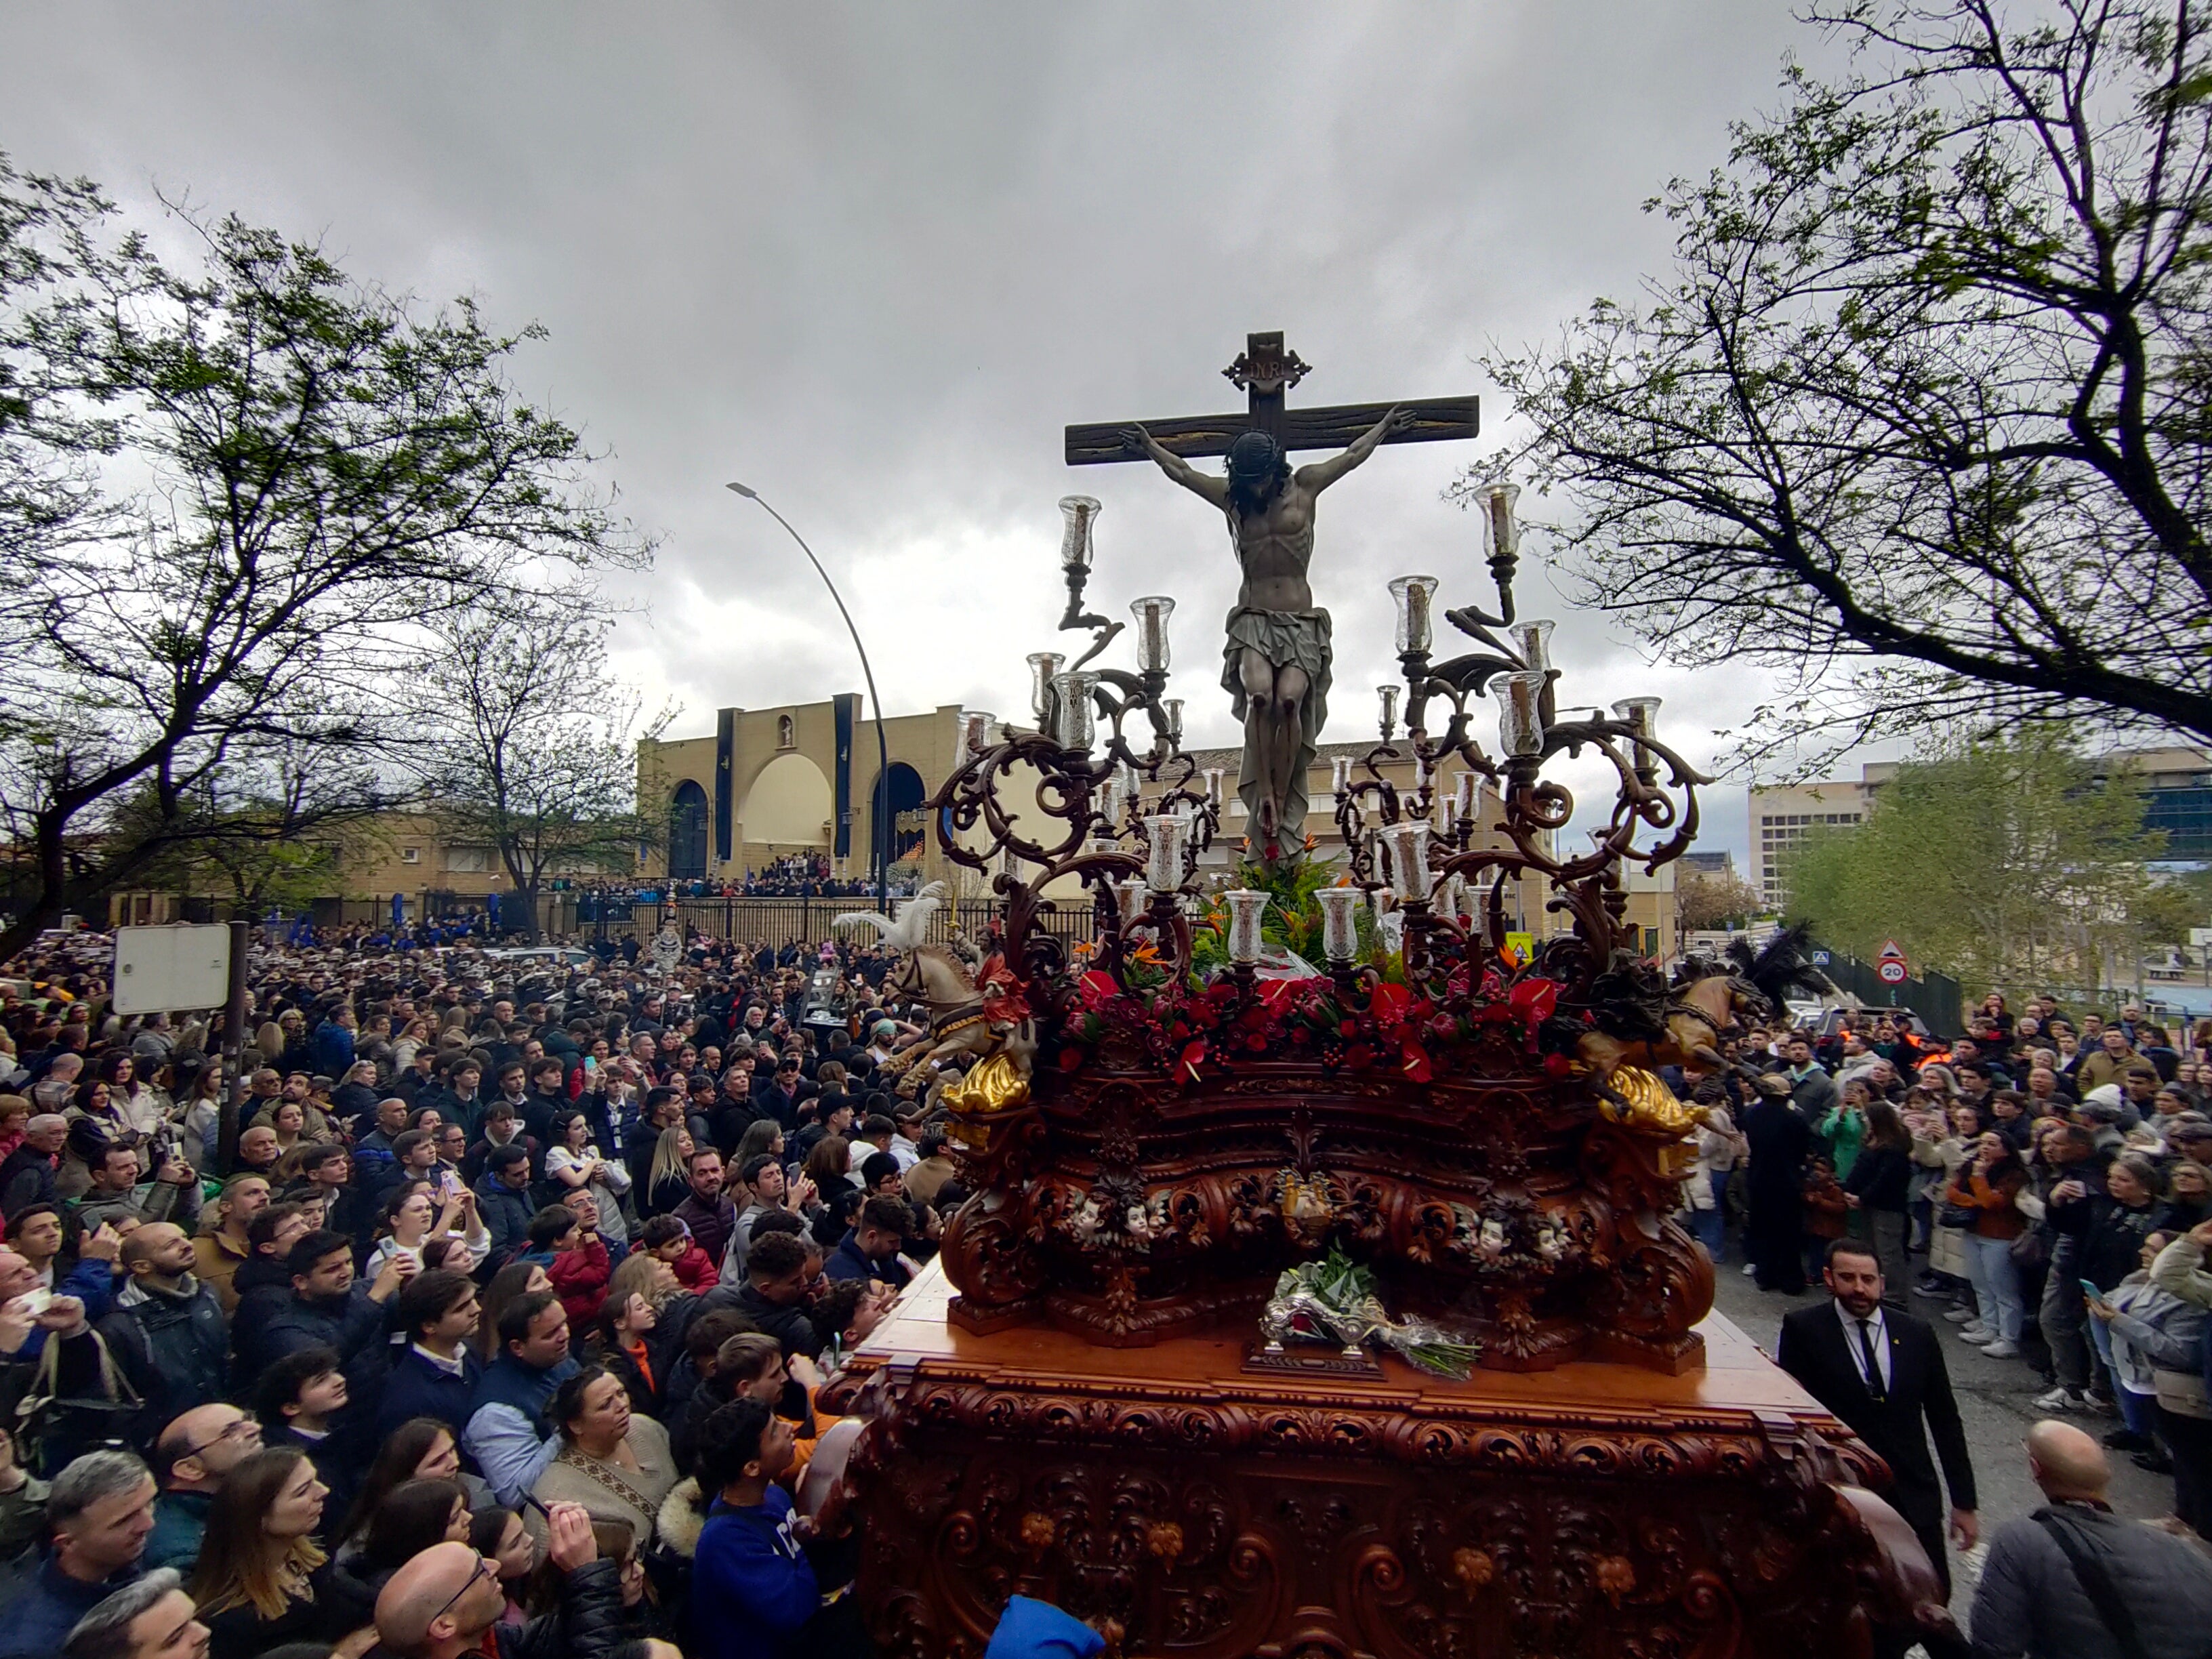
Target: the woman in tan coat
pixel 612 1460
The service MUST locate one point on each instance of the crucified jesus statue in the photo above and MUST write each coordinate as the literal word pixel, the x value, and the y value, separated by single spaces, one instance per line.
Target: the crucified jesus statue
pixel 1275 663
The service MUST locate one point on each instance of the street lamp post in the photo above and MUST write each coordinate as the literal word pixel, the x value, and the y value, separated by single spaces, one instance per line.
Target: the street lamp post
pixel 879 843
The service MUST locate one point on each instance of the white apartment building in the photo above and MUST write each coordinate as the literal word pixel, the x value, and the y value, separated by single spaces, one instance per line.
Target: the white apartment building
pixel 1783 814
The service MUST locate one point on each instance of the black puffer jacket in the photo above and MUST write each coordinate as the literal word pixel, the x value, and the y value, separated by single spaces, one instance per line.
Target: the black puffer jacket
pixel 2110 1236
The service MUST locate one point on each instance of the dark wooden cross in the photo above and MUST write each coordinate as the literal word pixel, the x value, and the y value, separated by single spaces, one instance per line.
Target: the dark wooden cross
pixel 1266 371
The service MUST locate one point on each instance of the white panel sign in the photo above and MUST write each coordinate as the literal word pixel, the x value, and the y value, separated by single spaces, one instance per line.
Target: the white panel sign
pixel 168 970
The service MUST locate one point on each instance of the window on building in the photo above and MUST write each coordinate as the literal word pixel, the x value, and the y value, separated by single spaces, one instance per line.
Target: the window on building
pixel 410 855
pixel 469 859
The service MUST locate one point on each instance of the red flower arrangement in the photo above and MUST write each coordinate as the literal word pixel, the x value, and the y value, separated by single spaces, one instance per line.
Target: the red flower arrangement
pixel 1192 1032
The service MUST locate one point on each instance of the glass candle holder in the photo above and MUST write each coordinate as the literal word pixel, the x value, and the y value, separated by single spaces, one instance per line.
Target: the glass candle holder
pixel 1150 615
pixel 1533 640
pixel 1640 714
pixel 1246 908
pixel 1451 896
pixel 1043 665
pixel 1415 596
pixel 1519 713
pixel 1387 697
pixel 1462 798
pixel 1500 530
pixel 1213 775
pixel 1340 924
pixel 1129 900
pixel 1409 859
pixel 1110 799
pixel 975 731
pixel 1172 709
pixel 1166 835
pixel 1079 514
pixel 1074 720
pixel 1340 775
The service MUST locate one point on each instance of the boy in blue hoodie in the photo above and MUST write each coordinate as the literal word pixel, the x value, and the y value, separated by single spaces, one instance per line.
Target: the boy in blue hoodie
pixel 753 1590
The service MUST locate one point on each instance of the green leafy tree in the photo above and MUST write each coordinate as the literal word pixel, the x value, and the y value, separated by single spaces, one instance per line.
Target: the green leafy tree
pixel 2164 912
pixel 251 482
pixel 1919 419
pixel 2012 864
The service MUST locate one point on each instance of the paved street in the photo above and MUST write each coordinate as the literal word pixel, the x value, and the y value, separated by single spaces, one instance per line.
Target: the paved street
pixel 1994 1398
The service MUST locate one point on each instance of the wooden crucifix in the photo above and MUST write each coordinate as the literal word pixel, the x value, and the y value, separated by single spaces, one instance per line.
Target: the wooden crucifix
pixel 1266 370
pixel 1275 663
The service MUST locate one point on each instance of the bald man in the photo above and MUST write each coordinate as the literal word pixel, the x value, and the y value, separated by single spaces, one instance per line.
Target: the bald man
pixel 189 1460
pixel 168 1331
pixel 440 1604
pixel 2075 1581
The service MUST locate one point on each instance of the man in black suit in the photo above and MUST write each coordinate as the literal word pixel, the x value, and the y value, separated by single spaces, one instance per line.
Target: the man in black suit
pixel 1882 1372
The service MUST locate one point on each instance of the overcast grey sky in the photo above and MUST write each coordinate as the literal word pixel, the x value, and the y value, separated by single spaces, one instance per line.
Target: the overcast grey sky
pixel 871 259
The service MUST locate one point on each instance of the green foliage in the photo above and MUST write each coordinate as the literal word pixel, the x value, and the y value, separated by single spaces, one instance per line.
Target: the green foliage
pixel 1292 918
pixel 2013 865
pixel 232 492
pixel 1919 418
pixel 2163 913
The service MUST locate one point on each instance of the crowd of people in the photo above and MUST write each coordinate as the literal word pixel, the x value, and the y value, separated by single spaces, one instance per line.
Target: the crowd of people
pixel 504 1327
pixel 503 1330
pixel 2040 1189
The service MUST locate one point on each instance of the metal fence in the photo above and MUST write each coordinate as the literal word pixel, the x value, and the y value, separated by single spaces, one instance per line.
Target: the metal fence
pixel 777 922
pixel 1936 998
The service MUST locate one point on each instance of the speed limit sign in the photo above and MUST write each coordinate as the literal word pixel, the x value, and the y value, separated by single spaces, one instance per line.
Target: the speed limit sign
pixel 1890 973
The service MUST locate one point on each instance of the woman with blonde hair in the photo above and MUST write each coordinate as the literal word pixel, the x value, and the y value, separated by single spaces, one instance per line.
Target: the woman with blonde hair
pixel 668 1180
pixel 262 1580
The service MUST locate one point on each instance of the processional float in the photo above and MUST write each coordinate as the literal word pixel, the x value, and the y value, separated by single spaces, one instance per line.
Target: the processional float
pixel 1340 1312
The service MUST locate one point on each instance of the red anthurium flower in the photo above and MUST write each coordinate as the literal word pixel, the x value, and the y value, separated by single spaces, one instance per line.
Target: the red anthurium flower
pixel 1534 999
pixel 1389 1003
pixel 1097 989
pixel 1193 1057
pixel 1416 1061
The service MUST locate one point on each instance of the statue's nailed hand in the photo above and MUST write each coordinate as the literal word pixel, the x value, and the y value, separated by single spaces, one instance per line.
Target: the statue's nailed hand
pixel 1400 419
pixel 1136 440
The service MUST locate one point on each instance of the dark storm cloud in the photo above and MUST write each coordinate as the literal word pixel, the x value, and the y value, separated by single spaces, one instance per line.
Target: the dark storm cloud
pixel 870 259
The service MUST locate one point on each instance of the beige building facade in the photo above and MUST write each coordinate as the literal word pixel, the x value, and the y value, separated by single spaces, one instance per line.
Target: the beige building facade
pixel 801 780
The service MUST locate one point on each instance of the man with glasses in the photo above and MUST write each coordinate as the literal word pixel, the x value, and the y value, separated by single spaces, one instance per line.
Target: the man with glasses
pixel 191 1458
pixel 441 1604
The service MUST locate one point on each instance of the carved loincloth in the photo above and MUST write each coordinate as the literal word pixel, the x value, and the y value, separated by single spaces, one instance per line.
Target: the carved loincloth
pixel 1287 639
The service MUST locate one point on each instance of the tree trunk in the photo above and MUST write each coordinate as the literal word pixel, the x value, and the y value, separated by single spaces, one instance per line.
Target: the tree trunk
pixel 523 902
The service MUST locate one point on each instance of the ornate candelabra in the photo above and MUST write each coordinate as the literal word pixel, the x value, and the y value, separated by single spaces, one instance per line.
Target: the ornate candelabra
pixel 1121 802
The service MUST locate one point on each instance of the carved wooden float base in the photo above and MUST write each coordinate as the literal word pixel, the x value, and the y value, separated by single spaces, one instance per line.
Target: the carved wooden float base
pixel 1187 1508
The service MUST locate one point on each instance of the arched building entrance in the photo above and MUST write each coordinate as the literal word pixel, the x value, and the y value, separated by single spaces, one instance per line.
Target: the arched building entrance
pixel 899 807
pixel 687 832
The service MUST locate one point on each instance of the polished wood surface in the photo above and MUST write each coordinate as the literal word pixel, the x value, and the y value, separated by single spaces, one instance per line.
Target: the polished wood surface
pixel 1737 1380
pixel 1188 1507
